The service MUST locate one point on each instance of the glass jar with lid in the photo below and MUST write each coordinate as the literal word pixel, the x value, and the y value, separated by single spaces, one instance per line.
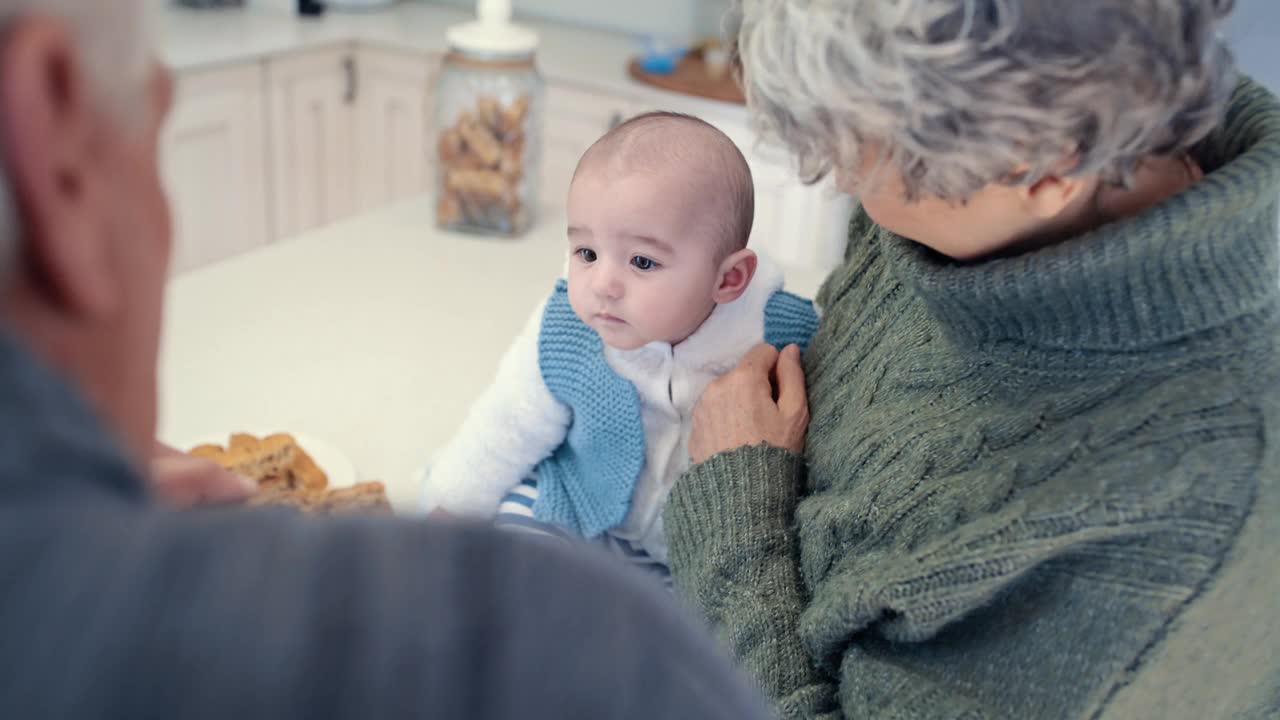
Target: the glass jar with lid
pixel 489 126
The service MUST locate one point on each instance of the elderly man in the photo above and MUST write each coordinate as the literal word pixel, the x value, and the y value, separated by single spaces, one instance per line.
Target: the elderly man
pixel 115 607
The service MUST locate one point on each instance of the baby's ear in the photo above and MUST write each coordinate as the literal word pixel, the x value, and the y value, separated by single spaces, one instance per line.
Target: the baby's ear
pixel 736 272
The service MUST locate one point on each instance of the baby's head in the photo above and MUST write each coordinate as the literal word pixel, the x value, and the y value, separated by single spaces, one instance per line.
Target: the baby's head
pixel 660 210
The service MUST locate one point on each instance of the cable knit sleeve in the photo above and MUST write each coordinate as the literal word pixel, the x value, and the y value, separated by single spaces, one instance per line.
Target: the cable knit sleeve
pixel 734 555
pixel 514 425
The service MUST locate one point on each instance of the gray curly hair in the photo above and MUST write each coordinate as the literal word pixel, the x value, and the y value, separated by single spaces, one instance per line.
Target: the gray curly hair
pixel 959 94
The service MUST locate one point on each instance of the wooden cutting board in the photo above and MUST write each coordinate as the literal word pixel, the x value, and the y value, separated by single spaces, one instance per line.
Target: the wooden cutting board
pixel 691 78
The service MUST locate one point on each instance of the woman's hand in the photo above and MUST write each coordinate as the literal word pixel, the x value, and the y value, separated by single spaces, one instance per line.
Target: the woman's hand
pixel 184 480
pixel 762 400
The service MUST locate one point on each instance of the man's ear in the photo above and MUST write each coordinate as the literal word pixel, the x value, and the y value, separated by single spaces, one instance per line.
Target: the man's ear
pixel 736 272
pixel 49 125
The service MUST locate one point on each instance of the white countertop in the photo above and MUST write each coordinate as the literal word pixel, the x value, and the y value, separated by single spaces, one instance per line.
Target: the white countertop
pixel 192 39
pixel 373 335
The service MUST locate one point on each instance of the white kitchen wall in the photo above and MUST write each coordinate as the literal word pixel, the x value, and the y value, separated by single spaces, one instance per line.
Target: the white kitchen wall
pixel 288 6
pixel 710 16
pixel 682 19
pixel 1254 32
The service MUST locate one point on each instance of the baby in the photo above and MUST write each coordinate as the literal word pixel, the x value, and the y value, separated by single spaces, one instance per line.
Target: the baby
pixel 586 426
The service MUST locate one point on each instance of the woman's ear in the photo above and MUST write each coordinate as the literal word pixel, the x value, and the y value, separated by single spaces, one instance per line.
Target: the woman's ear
pixel 1049 197
pixel 735 275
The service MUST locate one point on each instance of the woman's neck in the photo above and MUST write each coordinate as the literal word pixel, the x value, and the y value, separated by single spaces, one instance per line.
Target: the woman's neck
pixel 1155 180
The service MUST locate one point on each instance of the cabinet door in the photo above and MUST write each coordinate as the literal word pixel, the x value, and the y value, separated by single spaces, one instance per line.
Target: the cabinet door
pixel 393 125
pixel 574 120
pixel 313 98
pixel 214 161
pixel 789 216
pixel 802 226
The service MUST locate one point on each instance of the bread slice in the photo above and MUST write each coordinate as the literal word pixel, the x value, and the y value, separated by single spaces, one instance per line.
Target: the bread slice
pixel 216 453
pixel 287 475
pixel 264 461
pixel 368 496
pixel 304 473
pixel 242 441
pixel 362 497
pixel 275 454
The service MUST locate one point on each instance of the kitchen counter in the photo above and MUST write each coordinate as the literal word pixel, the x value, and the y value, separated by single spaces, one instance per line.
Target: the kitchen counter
pixel 374 335
pixel 194 39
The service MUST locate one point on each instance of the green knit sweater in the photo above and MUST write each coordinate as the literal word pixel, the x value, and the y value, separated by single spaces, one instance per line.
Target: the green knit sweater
pixel 1038 487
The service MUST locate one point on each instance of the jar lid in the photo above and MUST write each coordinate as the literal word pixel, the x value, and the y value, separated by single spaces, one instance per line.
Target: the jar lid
pixel 492 33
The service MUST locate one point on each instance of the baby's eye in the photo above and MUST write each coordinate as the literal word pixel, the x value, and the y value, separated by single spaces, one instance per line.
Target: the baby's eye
pixel 587 254
pixel 641 262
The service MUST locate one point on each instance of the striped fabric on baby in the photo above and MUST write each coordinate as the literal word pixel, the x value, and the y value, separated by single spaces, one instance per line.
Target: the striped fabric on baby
pixel 515 514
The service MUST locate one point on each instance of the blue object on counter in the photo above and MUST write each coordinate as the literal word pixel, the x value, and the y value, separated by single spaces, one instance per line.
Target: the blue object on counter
pixel 659 57
pixel 660 64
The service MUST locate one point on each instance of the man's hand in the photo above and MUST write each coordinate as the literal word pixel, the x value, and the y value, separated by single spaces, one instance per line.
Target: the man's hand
pixel 184 480
pixel 762 400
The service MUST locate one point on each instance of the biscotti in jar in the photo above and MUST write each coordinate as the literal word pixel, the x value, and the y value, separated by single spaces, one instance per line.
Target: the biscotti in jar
pixel 489 126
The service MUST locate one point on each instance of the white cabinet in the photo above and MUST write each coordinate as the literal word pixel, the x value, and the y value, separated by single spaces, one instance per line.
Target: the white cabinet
pixel 268 150
pixel 574 120
pixel 799 225
pixel 214 162
pixel 394 117
pixel 350 130
pixel 313 98
pixel 796 224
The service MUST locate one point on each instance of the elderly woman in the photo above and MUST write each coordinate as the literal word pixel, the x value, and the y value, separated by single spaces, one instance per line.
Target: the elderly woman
pixel 1030 467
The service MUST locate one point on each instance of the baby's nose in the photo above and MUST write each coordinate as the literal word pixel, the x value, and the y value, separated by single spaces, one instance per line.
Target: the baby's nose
pixel 607 284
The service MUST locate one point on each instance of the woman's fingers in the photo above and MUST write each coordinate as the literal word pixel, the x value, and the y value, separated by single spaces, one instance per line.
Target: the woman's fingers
pixel 740 408
pixel 759 361
pixel 792 398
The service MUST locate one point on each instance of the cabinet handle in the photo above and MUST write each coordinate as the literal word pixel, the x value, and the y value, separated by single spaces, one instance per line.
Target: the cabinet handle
pixel 349 67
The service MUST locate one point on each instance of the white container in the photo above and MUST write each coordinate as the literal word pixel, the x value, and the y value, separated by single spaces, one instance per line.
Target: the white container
pixel 489 102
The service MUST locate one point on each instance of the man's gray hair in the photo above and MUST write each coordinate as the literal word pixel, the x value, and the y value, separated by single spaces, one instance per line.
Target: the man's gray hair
pixel 958 94
pixel 115 44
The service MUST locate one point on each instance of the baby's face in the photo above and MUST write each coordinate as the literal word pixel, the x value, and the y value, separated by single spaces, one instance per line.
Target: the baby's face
pixel 644 266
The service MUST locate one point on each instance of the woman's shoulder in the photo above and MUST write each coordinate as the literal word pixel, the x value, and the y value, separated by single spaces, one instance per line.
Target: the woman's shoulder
pixel 1226 632
pixel 862 258
pixel 1188 452
pixel 1170 510
pixel 1144 487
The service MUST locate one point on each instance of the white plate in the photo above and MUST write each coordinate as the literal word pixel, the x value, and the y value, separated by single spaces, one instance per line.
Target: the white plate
pixel 419 484
pixel 331 460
